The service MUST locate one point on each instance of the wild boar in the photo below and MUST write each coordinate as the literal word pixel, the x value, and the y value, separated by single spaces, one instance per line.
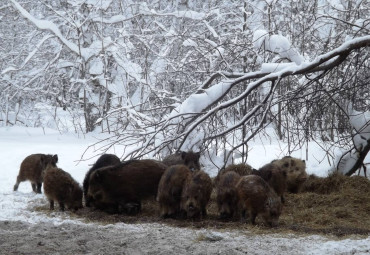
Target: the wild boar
pixel 33 169
pixel 121 188
pixel 241 169
pixel 103 160
pixel 257 197
pixel 60 186
pixel 275 177
pixel 296 172
pixel 227 196
pixel 196 194
pixel 190 159
pixel 170 190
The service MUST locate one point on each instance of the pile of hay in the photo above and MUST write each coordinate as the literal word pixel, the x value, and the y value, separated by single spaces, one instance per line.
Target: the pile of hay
pixel 337 205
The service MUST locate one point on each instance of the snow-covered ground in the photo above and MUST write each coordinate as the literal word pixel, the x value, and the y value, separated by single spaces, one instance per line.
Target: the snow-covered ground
pixel 15 214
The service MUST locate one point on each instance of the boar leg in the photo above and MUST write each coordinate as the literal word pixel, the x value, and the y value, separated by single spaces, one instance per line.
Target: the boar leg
pixel 204 212
pixel 164 211
pixel 33 187
pixel 243 213
pixel 253 216
pixel 51 204
pixel 61 205
pixel 39 187
pixel 16 184
pixel 282 199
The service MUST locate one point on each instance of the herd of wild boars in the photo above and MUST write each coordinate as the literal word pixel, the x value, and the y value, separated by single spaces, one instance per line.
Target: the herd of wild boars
pixel 177 183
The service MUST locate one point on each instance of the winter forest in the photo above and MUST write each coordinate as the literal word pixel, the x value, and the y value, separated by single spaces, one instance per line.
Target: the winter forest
pixel 209 76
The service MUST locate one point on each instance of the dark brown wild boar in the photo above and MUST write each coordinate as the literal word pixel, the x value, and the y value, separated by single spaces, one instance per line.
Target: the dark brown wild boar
pixel 196 193
pixel 190 159
pixel 257 197
pixel 59 186
pixel 121 188
pixel 227 196
pixel 275 177
pixel 170 190
pixel 103 161
pixel 33 168
pixel 241 169
pixel 296 172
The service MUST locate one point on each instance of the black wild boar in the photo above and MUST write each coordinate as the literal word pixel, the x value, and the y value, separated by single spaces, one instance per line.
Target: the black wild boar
pixel 61 187
pixel 257 197
pixel 33 169
pixel 103 160
pixel 295 170
pixel 121 188
pixel 190 159
pixel 196 194
pixel 170 190
pixel 227 196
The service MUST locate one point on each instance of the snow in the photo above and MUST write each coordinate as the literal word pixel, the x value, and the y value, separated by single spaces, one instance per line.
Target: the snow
pixel 195 103
pixel 360 122
pixel 189 42
pixel 85 53
pixel 18 142
pixel 46 25
pixel 278 44
pixel 274 67
pixel 96 66
pixel 30 55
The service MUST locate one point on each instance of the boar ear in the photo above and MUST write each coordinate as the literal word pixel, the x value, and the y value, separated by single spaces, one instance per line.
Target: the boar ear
pixel 42 159
pixel 183 154
pixel 197 154
pixel 55 158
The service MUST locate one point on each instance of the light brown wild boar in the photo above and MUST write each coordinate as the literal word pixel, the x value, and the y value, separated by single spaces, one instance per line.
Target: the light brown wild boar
pixel 275 177
pixel 296 172
pixel 33 168
pixel 61 187
pixel 170 190
pixel 256 197
pixel 227 195
pixel 195 195
pixel 190 159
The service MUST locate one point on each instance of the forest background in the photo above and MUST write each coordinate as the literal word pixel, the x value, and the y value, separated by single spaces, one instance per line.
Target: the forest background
pixel 161 76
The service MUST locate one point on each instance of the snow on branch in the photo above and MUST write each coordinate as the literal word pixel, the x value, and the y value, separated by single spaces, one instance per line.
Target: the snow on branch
pixel 205 103
pixel 277 44
pixel 47 25
pixel 144 10
pixel 32 53
pixel 353 159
